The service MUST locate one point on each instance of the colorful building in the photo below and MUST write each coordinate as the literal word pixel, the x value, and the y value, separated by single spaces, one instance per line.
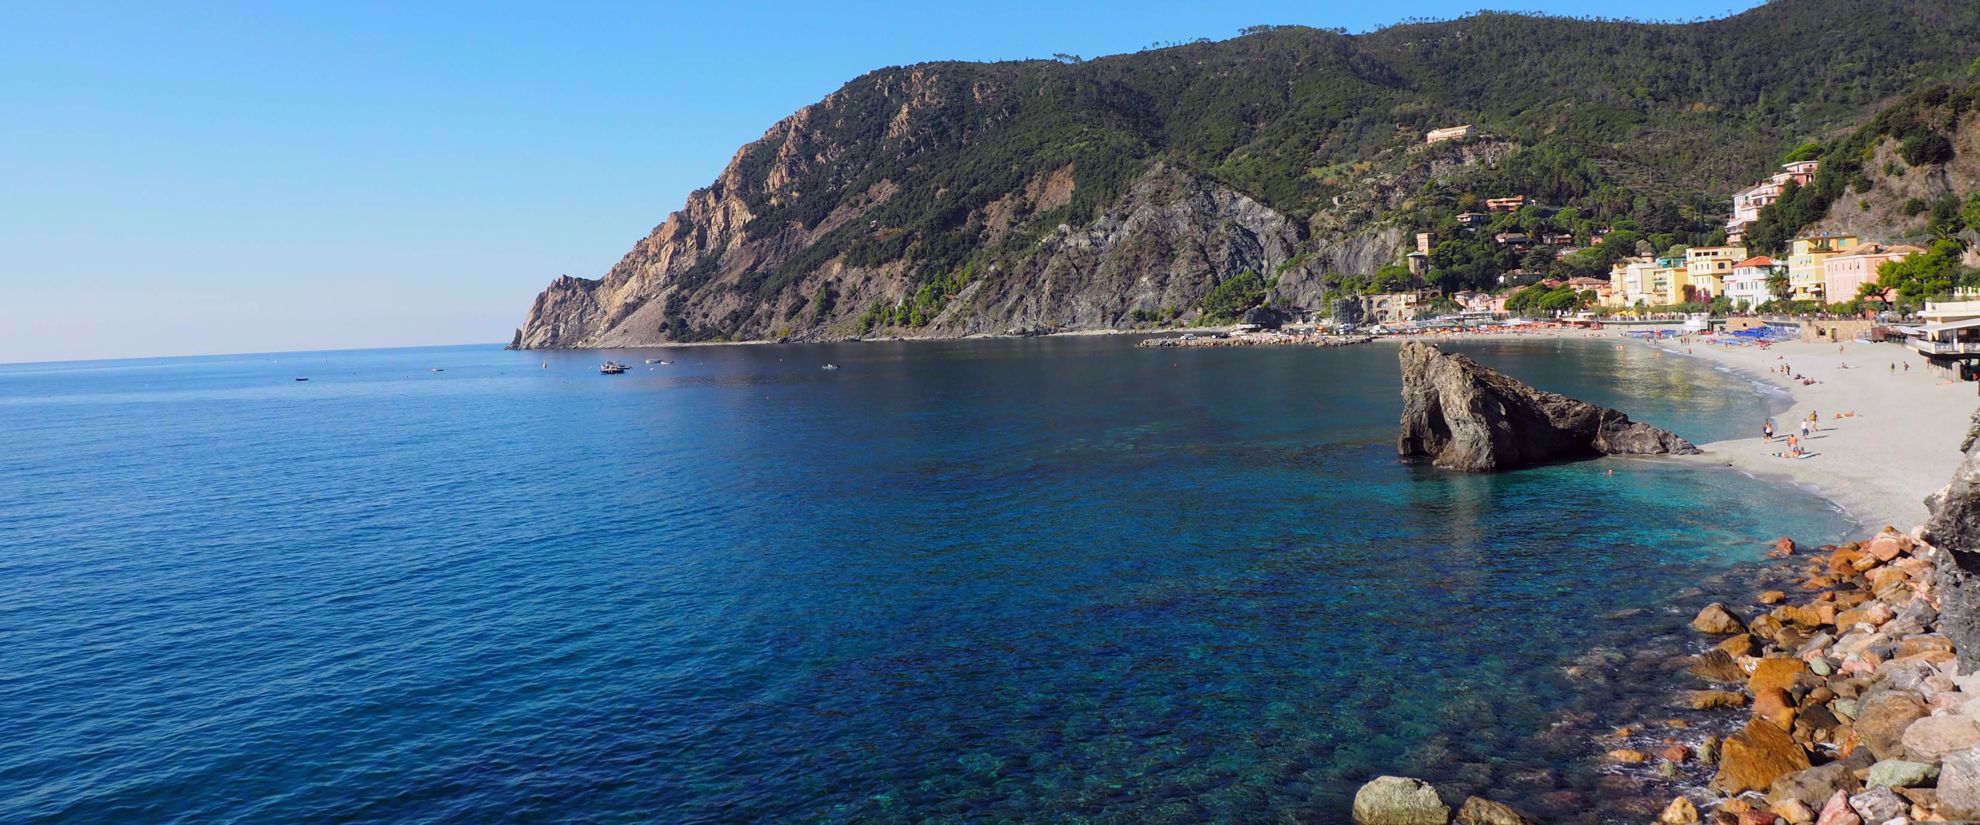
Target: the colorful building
pixel 1706 268
pixel 1633 282
pixel 1808 263
pixel 1746 285
pixel 1845 274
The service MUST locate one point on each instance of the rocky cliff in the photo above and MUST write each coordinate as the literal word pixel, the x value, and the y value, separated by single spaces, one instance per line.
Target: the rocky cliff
pixel 949 199
pixel 1462 415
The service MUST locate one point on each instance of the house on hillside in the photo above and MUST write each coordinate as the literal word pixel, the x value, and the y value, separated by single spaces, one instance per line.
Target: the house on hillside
pixel 1450 133
pixel 1845 274
pixel 1747 203
pixel 1472 219
pixel 1509 204
pixel 1513 239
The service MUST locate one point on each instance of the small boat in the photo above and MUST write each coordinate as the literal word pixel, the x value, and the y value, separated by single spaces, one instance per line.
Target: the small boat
pixel 302 379
pixel 611 368
pixel 437 369
pixel 655 361
pixel 829 367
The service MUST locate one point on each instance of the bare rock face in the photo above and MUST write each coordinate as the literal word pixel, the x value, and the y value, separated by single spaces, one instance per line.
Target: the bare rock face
pixel 1463 416
pixel 1954 527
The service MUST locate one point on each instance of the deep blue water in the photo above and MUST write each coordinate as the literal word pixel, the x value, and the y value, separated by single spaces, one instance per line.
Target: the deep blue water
pixel 1044 579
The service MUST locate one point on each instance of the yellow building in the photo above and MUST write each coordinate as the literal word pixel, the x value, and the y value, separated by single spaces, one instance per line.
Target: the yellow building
pixel 1706 268
pixel 1808 261
pixel 1666 284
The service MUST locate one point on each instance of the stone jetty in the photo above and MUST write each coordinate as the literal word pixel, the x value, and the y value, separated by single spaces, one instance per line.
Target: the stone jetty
pixel 1256 339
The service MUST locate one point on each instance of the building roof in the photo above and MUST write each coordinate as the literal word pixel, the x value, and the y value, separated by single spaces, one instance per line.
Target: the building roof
pixel 1757 260
pixel 1951 325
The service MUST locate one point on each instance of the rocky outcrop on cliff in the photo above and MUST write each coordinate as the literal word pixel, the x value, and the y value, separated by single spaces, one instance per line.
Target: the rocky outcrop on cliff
pixel 1462 415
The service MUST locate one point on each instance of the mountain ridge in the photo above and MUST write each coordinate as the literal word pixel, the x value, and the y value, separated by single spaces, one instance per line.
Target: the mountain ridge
pixel 953 198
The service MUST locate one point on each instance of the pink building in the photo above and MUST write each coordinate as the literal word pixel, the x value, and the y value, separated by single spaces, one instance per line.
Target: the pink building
pixel 1846 273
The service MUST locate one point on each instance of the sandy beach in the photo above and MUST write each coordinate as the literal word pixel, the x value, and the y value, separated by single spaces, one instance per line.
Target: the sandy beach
pixel 1901 445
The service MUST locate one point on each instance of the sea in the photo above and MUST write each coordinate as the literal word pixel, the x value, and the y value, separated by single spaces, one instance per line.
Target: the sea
pixel 1054 579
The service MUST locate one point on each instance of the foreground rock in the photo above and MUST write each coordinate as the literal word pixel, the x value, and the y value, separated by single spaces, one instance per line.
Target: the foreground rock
pixel 1464 416
pixel 1396 800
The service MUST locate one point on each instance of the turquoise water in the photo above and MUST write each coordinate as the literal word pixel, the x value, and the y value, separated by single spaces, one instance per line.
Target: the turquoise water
pixel 1047 579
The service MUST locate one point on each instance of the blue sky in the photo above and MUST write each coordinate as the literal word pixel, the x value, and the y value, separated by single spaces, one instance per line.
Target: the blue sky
pixel 199 178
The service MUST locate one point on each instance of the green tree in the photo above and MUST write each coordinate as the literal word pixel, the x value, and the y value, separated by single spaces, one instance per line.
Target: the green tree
pixel 1929 275
pixel 1778 285
pixel 1230 299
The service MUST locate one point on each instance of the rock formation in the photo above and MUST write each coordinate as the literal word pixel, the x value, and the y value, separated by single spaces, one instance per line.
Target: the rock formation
pixel 1464 416
pixel 1955 528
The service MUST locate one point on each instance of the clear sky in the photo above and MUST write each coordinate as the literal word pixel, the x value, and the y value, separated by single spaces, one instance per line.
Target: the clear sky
pixel 199 178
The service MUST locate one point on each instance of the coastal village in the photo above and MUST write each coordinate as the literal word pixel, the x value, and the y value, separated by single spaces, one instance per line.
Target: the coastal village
pixel 1828 286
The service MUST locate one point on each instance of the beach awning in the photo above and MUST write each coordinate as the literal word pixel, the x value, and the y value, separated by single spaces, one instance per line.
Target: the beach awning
pixel 1969 323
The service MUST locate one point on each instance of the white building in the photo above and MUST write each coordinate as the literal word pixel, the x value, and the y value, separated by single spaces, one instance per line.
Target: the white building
pixel 1746 286
pixel 1449 133
pixel 1746 205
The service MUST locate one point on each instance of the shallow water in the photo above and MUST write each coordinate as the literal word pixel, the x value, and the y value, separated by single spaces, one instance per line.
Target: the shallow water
pixel 1041 579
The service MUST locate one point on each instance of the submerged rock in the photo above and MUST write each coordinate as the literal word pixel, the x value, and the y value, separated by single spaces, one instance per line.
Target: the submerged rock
pixel 1464 416
pixel 1481 811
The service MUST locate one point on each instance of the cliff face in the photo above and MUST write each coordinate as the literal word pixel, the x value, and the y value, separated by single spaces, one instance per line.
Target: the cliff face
pixel 1463 416
pixel 949 199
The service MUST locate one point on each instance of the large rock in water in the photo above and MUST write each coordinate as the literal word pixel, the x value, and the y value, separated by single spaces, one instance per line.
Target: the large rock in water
pixel 1464 416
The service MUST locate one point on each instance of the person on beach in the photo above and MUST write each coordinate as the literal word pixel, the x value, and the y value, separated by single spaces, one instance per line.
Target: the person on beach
pixel 1767 429
pixel 1804 429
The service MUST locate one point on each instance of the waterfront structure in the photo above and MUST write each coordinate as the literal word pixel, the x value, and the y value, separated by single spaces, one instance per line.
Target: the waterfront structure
pixel 1950 337
pixel 1746 284
pixel 1392 307
pixel 1845 274
pixel 1450 133
pixel 1808 261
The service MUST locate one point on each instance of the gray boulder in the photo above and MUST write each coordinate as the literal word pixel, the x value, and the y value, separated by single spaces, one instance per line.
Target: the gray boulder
pixel 1397 800
pixel 1464 416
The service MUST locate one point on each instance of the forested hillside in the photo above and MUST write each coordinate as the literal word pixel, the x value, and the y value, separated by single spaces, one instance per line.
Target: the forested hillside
pixel 959 198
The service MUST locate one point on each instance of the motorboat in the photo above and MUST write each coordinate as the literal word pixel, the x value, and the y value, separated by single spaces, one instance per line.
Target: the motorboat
pixel 829 367
pixel 612 368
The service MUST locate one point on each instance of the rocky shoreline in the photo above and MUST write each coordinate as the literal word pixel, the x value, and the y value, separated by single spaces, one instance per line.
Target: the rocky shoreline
pixel 1794 704
pixel 1832 694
